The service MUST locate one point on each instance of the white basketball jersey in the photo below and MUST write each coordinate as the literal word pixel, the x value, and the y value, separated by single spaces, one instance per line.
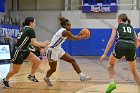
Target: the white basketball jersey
pixel 58 39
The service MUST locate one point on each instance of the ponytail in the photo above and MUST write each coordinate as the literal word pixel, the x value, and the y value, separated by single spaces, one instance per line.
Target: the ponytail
pixel 129 21
pixel 124 18
pixel 63 21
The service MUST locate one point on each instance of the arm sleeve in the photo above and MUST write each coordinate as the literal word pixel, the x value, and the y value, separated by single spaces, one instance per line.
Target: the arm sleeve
pixel 31 33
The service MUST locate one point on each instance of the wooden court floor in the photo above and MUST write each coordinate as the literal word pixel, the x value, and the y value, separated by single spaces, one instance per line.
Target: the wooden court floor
pixel 66 80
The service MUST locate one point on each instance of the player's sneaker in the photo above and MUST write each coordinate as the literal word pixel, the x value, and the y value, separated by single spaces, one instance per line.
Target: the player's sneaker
pixel 32 78
pixel 5 83
pixel 48 82
pixel 111 87
pixel 84 78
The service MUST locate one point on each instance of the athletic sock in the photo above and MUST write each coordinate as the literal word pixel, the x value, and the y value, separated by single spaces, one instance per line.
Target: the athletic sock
pixel 81 74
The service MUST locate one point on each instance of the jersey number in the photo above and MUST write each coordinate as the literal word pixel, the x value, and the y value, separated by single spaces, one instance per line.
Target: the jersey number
pixel 127 29
pixel 19 35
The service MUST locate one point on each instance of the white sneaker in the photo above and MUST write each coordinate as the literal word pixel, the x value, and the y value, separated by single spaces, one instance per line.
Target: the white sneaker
pixel 48 82
pixel 85 78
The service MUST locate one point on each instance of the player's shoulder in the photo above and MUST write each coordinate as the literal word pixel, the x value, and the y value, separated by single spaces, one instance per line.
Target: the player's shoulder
pixel 28 28
pixel 115 26
pixel 31 29
pixel 62 29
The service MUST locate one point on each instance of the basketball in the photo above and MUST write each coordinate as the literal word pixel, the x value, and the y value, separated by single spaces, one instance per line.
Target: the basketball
pixel 85 31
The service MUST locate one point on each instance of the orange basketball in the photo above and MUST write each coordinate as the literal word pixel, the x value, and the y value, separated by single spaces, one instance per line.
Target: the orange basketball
pixel 85 31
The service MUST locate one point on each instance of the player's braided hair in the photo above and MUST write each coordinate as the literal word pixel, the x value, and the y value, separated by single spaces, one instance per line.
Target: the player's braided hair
pixel 63 21
pixel 124 18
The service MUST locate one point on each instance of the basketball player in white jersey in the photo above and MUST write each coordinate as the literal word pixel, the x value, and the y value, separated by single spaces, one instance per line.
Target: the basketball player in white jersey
pixel 55 51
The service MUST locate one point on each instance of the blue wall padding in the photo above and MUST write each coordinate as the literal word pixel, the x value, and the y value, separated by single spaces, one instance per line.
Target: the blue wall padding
pixel 94 46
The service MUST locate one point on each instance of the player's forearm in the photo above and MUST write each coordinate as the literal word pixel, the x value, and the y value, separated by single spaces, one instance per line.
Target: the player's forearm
pixel 75 38
pixel 109 45
pixel 136 42
pixel 139 42
pixel 39 44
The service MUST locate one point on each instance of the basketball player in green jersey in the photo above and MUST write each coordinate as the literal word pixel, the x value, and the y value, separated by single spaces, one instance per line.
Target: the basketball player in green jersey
pixel 124 47
pixel 21 51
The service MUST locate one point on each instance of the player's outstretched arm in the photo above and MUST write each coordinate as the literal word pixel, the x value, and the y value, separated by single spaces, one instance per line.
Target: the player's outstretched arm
pixel 136 40
pixel 70 36
pixel 34 42
pixel 109 44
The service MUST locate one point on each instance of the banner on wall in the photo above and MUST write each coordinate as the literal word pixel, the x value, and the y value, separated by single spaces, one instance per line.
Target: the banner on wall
pixel 99 6
pixel 100 9
pixel 9 30
pixel 2 6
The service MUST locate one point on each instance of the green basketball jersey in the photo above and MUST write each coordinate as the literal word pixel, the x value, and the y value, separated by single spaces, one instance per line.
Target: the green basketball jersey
pixel 24 37
pixel 125 32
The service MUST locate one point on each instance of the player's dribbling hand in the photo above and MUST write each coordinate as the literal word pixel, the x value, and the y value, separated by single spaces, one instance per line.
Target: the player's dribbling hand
pixel 84 33
pixel 102 58
pixel 86 37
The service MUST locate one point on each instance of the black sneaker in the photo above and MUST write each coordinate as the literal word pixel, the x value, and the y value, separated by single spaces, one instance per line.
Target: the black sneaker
pixel 32 78
pixel 5 83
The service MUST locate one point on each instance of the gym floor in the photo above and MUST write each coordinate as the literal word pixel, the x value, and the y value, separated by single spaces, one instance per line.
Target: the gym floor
pixel 66 80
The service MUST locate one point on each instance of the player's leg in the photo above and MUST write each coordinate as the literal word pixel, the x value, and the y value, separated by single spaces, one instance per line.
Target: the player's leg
pixel 14 69
pixel 66 57
pixel 52 69
pixel 131 58
pixel 132 65
pixel 17 60
pixel 36 62
pixel 53 64
pixel 114 57
pixel 112 85
pixel 112 62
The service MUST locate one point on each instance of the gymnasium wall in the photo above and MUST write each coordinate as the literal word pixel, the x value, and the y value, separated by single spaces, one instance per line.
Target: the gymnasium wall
pixel 94 46
pixel 138 4
pixel 47 22
pixel 99 20
pixel 99 24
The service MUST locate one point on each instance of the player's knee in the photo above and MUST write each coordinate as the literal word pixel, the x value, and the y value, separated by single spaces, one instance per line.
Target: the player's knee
pixel 37 62
pixel 110 67
pixel 133 70
pixel 53 70
pixel 14 71
pixel 72 60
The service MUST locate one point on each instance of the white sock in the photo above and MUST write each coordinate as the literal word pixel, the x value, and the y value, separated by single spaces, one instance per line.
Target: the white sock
pixel 46 77
pixel 81 74
pixel 32 75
